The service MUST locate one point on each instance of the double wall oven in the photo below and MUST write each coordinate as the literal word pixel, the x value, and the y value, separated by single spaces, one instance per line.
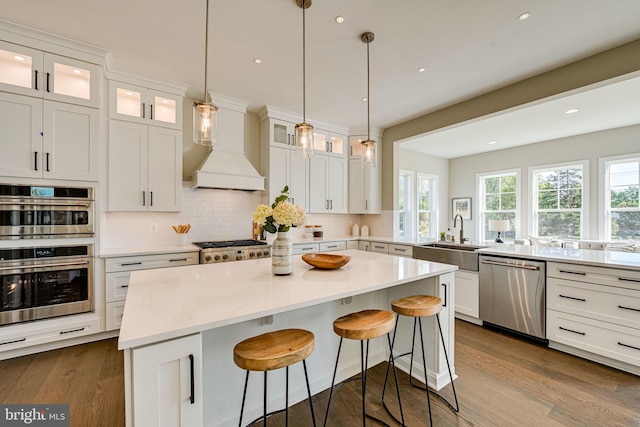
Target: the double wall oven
pixel 40 280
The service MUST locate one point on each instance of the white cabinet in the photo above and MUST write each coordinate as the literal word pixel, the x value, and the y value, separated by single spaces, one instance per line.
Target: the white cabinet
pixel 145 167
pixel 382 248
pixel 401 250
pixel 364 245
pixel 325 142
pixel 305 248
pixel 327 184
pixel 352 244
pixel 118 271
pixel 142 105
pixel 333 246
pixel 364 183
pixel 595 312
pixel 45 75
pixel 48 139
pixel 468 295
pixel 167 383
pixel 283 165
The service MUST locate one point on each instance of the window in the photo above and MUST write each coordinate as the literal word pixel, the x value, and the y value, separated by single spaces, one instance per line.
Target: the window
pixel 558 201
pixel 622 198
pixel 498 199
pixel 426 219
pixel 404 204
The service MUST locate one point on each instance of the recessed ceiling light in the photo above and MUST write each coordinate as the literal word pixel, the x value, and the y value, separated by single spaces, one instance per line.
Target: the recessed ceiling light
pixel 421 69
pixel 19 58
pixel 493 142
pixel 571 111
pixel 523 16
pixel 257 60
pixel 339 19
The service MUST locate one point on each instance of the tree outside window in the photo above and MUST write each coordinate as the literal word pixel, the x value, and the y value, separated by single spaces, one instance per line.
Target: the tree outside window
pixel 498 200
pixel 426 204
pixel 558 202
pixel 623 192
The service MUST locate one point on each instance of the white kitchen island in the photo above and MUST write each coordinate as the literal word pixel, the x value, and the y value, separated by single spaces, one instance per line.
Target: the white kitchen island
pixel 180 326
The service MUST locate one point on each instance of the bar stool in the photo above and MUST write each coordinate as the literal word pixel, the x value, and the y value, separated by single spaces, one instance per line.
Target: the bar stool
pixel 274 350
pixel 363 325
pixel 419 306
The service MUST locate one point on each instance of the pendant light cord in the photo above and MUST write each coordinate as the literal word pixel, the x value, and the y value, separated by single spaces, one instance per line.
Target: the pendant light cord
pixel 206 52
pixel 304 64
pixel 368 96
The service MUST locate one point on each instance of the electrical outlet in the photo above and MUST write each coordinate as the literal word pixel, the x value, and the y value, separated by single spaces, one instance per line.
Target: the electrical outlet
pixel 154 226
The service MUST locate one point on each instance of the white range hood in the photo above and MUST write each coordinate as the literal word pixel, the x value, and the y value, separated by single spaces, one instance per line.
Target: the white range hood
pixel 226 165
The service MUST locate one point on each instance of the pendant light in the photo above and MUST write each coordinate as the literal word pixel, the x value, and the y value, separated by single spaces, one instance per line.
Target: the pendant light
pixel 304 131
pixel 205 114
pixel 369 146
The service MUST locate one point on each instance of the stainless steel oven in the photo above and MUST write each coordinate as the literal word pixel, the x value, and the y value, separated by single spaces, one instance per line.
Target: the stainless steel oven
pixel 35 212
pixel 43 282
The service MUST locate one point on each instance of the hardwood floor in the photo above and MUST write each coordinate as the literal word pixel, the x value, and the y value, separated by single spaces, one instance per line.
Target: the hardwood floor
pixel 503 381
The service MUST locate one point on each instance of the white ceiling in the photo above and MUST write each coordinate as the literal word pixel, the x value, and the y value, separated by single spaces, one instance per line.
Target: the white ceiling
pixel 468 47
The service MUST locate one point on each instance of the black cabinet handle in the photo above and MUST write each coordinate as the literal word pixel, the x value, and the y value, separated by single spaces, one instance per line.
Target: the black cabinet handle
pixel 151 197
pixel 47 161
pixel 35 160
pixel 144 198
pixel 35 80
pixel 13 341
pixel 48 74
pixel 444 304
pixel 144 107
pixel 628 346
pixel 571 330
pixel 626 279
pixel 192 399
pixel 151 108
pixel 124 286
pixel 573 298
pixel 579 273
pixel 131 263
pixel 71 331
pixel 628 308
pixel 177 259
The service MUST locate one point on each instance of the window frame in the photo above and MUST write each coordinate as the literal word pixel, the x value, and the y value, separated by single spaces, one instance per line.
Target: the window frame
pixel 604 210
pixel 433 206
pixel 408 208
pixel 534 171
pixel 480 198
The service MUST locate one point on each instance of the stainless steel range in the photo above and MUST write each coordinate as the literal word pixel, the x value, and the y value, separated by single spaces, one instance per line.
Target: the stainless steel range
pixel 232 250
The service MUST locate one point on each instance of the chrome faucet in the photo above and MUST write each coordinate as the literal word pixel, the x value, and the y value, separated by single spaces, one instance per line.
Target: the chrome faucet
pixel 455 219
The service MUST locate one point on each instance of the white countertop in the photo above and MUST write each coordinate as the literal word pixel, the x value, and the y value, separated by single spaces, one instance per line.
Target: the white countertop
pixel 625 260
pixel 172 302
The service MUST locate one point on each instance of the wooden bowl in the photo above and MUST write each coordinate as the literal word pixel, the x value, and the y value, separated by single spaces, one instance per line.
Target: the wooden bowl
pixel 326 261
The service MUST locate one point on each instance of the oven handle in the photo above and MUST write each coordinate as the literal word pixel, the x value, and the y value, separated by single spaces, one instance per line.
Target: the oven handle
pixel 505 264
pixel 62 264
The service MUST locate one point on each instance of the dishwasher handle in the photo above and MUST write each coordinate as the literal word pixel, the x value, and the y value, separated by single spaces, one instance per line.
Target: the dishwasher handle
pixel 506 264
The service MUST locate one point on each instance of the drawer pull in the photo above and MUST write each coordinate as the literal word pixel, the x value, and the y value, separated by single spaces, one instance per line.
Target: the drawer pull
pixel 627 279
pixel 13 341
pixel 571 330
pixel 124 264
pixel 124 286
pixel 628 346
pixel 573 298
pixel 71 331
pixel 310 248
pixel 628 308
pixel 378 247
pixel 332 246
pixel 579 273
pixel 178 260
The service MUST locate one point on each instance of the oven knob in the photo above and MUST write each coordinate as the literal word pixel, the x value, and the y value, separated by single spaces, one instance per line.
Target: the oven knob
pixel 207 258
pixel 252 254
pixel 266 253
pixel 217 257
pixel 225 256
pixel 238 257
pixel 259 253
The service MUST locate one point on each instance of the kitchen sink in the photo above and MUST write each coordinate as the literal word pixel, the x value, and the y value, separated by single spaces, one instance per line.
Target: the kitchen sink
pixel 464 256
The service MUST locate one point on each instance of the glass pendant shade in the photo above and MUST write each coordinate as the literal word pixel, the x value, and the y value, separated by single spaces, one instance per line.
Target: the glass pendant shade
pixel 205 123
pixel 369 153
pixel 304 139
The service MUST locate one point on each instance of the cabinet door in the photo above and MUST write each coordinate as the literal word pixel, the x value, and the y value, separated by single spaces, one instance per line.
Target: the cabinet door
pixel 167 383
pixel 164 109
pixel 281 133
pixel 70 80
pixel 127 102
pixel 165 169
pixel 298 180
pixel 20 139
pixel 70 142
pixel 127 166
pixel 318 200
pixel 356 187
pixel 467 292
pixel 337 184
pixel 20 69
pixel 279 169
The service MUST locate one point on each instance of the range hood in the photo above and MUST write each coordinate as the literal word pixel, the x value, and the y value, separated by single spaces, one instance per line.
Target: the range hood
pixel 226 165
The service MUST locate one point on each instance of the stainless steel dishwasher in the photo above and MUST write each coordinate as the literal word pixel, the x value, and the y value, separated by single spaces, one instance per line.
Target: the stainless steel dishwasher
pixel 512 294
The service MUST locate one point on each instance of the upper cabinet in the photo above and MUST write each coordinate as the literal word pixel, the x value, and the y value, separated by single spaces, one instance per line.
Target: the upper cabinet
pixel 45 75
pixel 325 142
pixel 142 105
pixel 364 183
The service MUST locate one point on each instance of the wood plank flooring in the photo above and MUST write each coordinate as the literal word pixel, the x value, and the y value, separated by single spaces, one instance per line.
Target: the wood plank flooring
pixel 503 381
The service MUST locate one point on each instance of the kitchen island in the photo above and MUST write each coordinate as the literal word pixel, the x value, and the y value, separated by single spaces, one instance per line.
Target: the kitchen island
pixel 180 325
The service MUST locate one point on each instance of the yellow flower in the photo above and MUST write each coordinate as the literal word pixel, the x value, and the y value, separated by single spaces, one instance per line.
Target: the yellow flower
pixel 281 216
pixel 285 214
pixel 261 214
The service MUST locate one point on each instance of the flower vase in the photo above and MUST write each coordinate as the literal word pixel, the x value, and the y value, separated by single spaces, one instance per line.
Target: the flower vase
pixel 282 255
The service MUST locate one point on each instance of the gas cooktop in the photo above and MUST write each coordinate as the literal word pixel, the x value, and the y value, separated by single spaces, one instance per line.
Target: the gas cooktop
pixel 229 244
pixel 232 250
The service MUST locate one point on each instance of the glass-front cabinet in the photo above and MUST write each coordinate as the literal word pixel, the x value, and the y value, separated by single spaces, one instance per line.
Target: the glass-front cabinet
pixel 327 142
pixel 142 105
pixel 40 74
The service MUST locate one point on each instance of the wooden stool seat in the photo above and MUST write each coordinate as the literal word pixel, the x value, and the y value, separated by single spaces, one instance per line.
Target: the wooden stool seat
pixel 365 324
pixel 417 305
pixel 273 350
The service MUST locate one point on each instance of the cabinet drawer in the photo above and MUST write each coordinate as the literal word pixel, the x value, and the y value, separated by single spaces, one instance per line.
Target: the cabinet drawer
pixel 606 303
pixel 333 246
pixel 380 247
pixel 115 310
pixel 42 332
pixel 602 338
pixel 605 276
pixel 117 285
pixel 364 245
pixel 352 244
pixel 401 250
pixel 145 262
pixel 306 248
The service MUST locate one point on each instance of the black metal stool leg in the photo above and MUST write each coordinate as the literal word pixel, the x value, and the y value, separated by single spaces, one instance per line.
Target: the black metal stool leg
pixel 306 377
pixel 286 397
pixel 363 376
pixel 446 357
pixel 264 401
pixel 424 363
pixel 395 377
pixel 333 381
pixel 244 396
pixel 386 374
